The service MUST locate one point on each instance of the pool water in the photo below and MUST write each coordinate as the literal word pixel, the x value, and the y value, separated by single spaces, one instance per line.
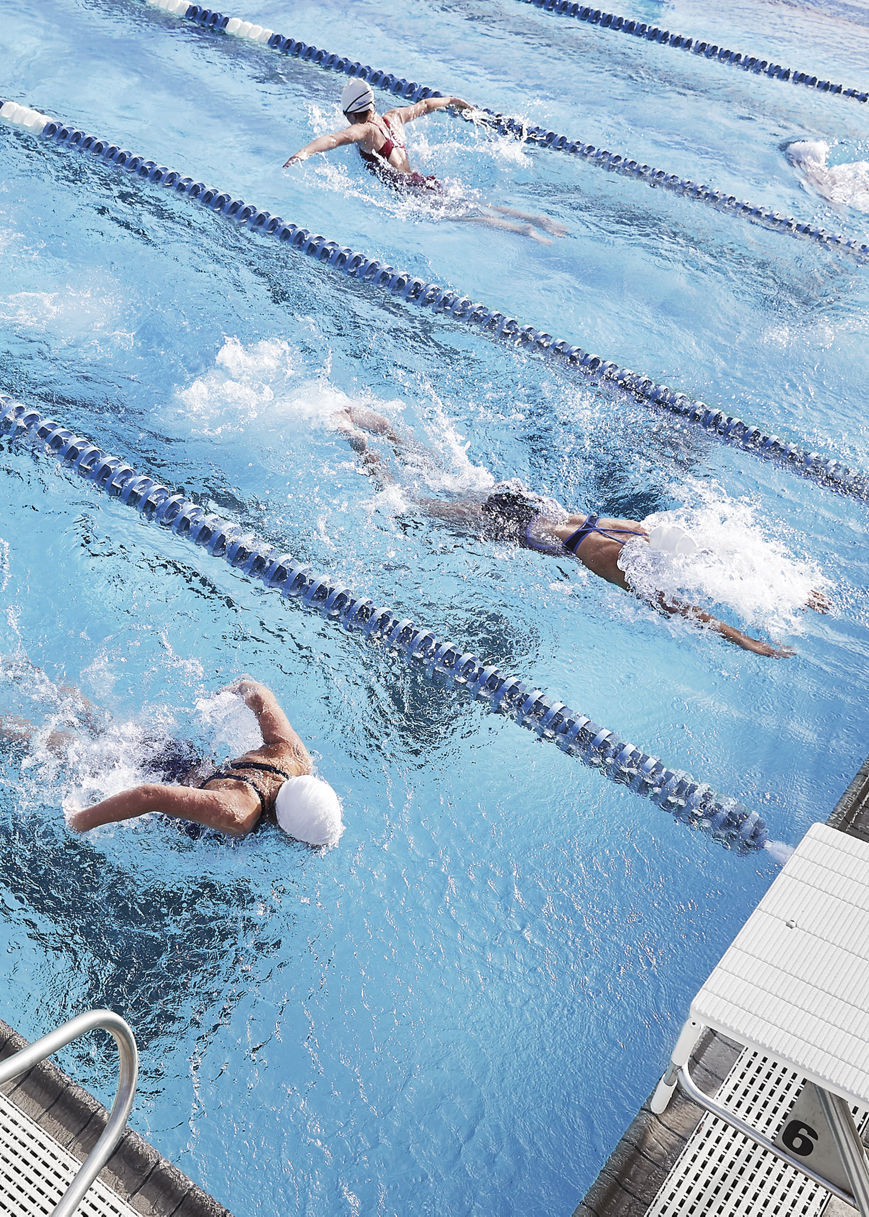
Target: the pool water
pixel 459 1008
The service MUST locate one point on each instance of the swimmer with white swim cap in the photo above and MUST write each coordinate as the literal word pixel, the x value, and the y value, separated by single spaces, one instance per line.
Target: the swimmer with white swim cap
pixel 511 512
pixel 274 782
pixel 382 146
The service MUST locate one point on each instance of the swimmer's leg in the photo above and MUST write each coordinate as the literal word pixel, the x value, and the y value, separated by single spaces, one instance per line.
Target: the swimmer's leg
pixel 77 702
pixel 551 226
pixel 352 421
pixel 460 512
pixel 15 730
pixel 491 221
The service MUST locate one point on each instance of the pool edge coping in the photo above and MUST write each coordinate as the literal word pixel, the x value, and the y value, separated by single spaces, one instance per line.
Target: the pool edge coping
pixel 136 1171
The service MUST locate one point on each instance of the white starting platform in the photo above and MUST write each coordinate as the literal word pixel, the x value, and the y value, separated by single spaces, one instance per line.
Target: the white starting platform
pixel 793 990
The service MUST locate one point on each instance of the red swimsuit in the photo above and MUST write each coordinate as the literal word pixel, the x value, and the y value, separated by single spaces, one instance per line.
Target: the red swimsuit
pixel 378 162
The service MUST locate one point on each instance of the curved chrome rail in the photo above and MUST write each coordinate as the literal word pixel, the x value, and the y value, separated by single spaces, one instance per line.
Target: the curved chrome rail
pixel 104 1020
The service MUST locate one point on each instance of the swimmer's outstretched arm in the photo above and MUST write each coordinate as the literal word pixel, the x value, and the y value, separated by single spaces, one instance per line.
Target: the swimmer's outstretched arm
pixel 218 809
pixel 693 613
pixel 327 143
pixel 407 114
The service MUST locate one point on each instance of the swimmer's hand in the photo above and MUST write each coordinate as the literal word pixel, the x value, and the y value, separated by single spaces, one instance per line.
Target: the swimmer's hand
pixel 244 687
pixel 766 648
pixel 295 159
pixel 456 103
pixel 819 601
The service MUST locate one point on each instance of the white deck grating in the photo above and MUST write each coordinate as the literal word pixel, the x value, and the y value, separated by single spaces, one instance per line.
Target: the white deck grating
pixel 722 1174
pixel 35 1171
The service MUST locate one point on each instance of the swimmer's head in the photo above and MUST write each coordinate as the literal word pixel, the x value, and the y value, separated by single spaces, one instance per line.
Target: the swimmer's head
pixel 308 809
pixel 807 153
pixel 356 97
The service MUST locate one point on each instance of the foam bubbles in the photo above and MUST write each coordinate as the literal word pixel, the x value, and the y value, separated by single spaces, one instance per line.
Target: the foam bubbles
pixel 735 564
pixel 260 383
pixel 232 725
pixel 779 851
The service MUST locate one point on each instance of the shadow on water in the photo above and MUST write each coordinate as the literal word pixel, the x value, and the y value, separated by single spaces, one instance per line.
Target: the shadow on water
pixel 164 954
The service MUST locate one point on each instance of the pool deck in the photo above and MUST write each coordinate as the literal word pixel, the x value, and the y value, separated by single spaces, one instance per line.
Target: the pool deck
pixel 74 1119
pixel 635 1171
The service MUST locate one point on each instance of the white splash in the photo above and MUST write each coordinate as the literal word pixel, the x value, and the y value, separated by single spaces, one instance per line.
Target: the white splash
pixel 5 564
pixel 232 725
pixel 260 383
pixel 89 314
pixel 779 851
pixel 846 183
pixel 734 564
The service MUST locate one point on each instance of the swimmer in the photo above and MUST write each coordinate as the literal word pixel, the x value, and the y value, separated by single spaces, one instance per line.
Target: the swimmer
pixel 846 183
pixel 274 782
pixel 510 512
pixel 381 143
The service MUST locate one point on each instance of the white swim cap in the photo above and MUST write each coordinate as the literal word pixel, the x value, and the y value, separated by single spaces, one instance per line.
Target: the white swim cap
pixel 308 809
pixel 672 539
pixel 356 97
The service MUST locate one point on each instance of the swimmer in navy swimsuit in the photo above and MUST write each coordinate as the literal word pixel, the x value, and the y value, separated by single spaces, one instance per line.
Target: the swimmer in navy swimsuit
pixel 381 143
pixel 510 512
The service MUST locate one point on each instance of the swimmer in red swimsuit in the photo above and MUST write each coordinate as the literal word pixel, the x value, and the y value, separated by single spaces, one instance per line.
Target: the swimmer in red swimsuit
pixel 381 143
pixel 511 512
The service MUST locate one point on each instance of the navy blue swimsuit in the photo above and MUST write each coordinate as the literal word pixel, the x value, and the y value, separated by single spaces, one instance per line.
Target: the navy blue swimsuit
pixel 237 777
pixel 576 539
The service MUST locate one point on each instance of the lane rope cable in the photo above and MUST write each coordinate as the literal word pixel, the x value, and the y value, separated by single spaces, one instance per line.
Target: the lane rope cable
pixel 693 802
pixel 404 286
pixel 517 128
pixel 708 50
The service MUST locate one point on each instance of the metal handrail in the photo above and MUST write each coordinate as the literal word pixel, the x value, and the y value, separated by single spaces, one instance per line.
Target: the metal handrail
pixel 105 1020
pixel 718 1109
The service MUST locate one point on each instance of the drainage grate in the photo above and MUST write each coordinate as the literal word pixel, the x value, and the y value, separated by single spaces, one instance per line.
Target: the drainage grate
pixel 35 1171
pixel 721 1172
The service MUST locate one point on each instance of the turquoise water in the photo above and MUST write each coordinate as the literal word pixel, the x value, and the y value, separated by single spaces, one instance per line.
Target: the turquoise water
pixel 460 1007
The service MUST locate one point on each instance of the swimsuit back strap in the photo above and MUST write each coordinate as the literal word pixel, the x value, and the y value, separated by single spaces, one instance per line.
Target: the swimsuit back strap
pixel 631 532
pixel 224 775
pixel 576 539
pixel 266 768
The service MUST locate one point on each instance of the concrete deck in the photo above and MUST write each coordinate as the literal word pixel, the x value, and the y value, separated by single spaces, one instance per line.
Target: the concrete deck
pixel 136 1172
pixel 636 1169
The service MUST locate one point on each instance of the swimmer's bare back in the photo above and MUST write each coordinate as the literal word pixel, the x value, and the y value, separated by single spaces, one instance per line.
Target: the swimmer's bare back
pixel 228 804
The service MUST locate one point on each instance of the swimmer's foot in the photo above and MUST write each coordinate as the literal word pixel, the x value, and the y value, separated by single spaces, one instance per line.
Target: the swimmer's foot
pixel 370 420
pixel 550 226
pixel 532 232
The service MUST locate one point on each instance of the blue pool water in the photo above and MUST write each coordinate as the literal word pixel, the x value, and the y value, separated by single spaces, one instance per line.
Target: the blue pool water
pixel 459 1008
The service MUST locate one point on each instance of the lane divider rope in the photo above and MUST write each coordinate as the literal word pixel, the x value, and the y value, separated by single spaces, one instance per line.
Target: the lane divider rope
pixel 517 128
pixel 708 50
pixel 404 286
pixel 693 802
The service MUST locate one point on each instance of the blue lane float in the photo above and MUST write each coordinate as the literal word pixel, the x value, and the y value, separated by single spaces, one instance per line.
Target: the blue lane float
pixel 705 49
pixel 404 286
pixel 445 662
pixel 517 128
